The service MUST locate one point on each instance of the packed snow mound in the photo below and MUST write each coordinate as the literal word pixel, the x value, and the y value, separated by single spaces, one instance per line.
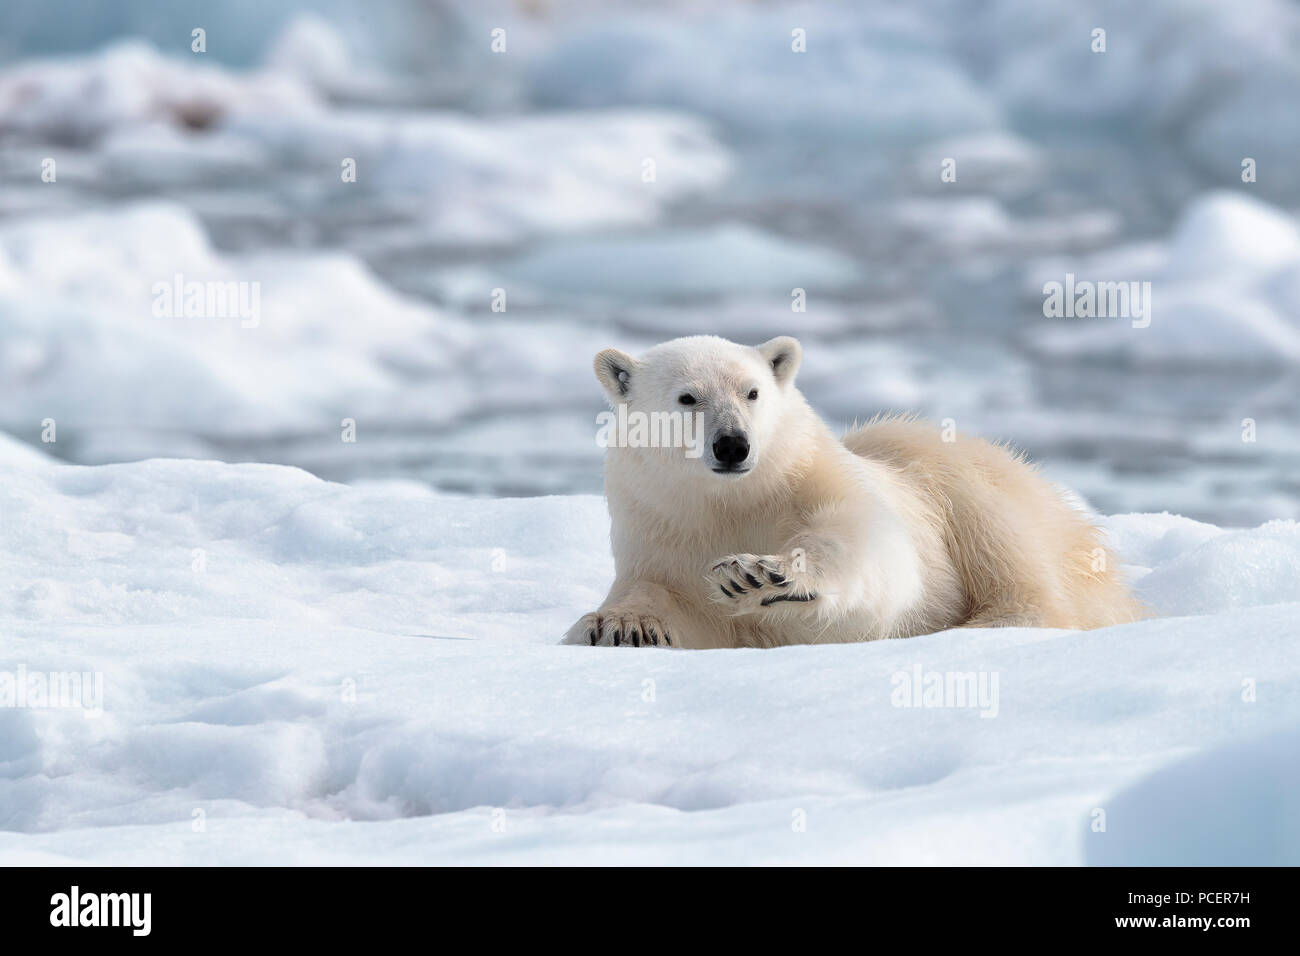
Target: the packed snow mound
pixel 1224 290
pixel 1228 232
pixel 17 453
pixel 96 332
pixel 110 255
pixel 96 335
pixel 1175 817
pixel 294 671
pixel 1189 567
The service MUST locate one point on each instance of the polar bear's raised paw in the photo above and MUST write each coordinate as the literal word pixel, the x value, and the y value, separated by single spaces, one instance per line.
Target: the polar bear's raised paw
pixel 748 582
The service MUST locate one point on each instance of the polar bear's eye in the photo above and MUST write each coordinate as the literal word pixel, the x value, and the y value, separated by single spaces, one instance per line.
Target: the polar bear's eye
pixel 687 399
pixel 753 394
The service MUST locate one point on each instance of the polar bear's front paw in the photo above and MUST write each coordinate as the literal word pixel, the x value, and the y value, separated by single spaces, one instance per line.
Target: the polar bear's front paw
pixel 748 582
pixel 613 628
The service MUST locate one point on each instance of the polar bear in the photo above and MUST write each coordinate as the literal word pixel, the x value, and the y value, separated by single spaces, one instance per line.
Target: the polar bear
pixel 766 530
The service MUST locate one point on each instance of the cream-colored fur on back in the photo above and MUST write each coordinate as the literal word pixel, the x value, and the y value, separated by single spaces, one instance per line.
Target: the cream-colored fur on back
pixel 889 532
pixel 1023 554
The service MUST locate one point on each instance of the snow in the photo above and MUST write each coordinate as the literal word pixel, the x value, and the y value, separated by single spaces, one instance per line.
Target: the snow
pixel 84 318
pixel 233 609
pixel 1223 291
pixel 296 671
pixel 15 452
pixel 83 344
pixel 1170 818
pixel 1227 232
pixel 164 121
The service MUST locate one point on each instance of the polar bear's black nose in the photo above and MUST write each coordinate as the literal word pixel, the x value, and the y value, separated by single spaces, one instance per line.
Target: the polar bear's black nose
pixel 730 450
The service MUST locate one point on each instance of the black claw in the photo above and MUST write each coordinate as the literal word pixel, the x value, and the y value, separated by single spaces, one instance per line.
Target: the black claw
pixel 593 637
pixel 636 638
pixel 802 598
pixel 737 588
pixel 778 579
pixel 753 581
pixel 668 639
pixel 725 591
pixel 618 636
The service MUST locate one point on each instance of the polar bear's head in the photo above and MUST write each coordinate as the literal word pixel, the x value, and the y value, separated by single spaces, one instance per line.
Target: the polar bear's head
pixel 726 400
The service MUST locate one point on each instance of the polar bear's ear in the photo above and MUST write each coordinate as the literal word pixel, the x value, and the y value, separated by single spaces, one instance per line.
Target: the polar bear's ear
pixel 783 354
pixel 614 372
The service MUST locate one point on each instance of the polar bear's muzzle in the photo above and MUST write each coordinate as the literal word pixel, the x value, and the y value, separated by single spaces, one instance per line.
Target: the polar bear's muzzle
pixel 730 453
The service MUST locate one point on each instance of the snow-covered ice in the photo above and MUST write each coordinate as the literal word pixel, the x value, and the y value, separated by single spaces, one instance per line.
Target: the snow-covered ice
pixel 1225 289
pixel 296 671
pixel 157 121
pixel 85 345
